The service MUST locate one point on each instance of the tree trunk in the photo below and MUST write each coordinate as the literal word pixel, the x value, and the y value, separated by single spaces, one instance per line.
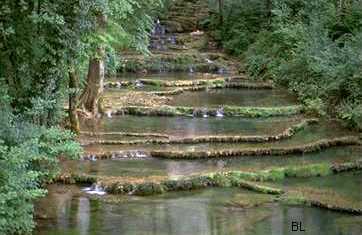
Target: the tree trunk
pixel 73 101
pixel 94 88
pixel 95 77
pixel 269 6
pixel 221 11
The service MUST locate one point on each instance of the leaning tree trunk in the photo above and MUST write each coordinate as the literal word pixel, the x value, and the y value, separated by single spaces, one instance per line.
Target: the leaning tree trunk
pixel 221 12
pixel 73 101
pixel 94 87
pixel 95 77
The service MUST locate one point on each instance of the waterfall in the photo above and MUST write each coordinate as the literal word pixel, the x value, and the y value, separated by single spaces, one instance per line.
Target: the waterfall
pixel 191 69
pixel 209 61
pixel 220 112
pixel 138 84
pixel 204 113
pixel 118 85
pixel 109 114
pixel 95 189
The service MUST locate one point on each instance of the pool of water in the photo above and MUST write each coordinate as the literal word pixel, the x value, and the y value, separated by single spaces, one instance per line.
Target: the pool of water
pixel 167 76
pixel 67 211
pixel 117 92
pixel 347 184
pixel 235 97
pixel 309 135
pixel 183 126
pixel 177 168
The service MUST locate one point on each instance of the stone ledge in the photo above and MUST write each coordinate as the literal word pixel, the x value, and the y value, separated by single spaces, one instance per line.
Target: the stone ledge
pixel 166 139
pixel 251 112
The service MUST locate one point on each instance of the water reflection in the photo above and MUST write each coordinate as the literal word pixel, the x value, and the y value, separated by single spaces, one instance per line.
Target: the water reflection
pixel 206 212
pixel 83 215
pixel 182 127
pixel 236 97
pixel 176 168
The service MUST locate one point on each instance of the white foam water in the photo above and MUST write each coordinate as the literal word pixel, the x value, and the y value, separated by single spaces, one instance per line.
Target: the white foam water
pixel 95 189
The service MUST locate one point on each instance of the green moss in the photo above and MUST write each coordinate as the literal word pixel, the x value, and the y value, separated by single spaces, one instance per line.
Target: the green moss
pixel 148 188
pixel 308 171
pixel 294 200
pixel 275 174
pixel 246 180
pixel 262 111
pixel 250 112
pixel 179 62
pixel 222 180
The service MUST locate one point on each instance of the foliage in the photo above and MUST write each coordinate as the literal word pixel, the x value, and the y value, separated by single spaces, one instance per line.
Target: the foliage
pixel 28 157
pixel 314 48
pixel 241 22
pixel 40 43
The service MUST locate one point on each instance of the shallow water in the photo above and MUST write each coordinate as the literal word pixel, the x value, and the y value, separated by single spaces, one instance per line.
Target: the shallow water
pixel 234 97
pixel 347 184
pixel 311 134
pixel 166 76
pixel 177 168
pixel 67 211
pixel 183 126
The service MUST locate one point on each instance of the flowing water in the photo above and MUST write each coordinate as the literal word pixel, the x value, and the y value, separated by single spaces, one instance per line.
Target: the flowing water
pixel 89 210
pixel 177 168
pixel 68 211
pixel 234 97
pixel 186 127
pixel 167 76
pixel 83 210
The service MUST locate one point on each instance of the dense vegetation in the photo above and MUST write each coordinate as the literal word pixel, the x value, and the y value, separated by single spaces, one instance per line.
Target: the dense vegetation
pixel 52 52
pixel 313 47
pixel 45 49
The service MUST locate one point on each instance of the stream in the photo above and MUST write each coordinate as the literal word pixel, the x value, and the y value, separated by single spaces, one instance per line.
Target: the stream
pixel 81 208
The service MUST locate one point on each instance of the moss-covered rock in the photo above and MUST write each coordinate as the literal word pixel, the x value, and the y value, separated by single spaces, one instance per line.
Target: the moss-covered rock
pixel 250 112
pixel 325 199
pixel 267 151
pixel 165 139
pixel 171 62
pixel 239 179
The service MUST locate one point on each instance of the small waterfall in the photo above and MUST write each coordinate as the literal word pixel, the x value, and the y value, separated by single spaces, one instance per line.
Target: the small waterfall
pixel 93 158
pixel 204 113
pixel 95 189
pixel 159 30
pixel 158 33
pixel 220 112
pixel 191 69
pixel 118 85
pixel 109 114
pixel 90 157
pixel 209 61
pixel 129 154
pixel 138 84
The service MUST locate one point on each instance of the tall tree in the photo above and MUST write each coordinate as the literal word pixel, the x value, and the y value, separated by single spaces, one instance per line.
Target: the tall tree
pixel 119 22
pixel 221 11
pixel 96 72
